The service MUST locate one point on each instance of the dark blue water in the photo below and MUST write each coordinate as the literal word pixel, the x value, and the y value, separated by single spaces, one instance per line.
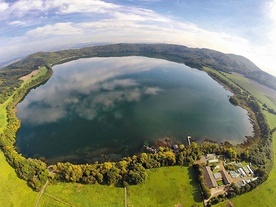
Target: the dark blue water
pixel 107 107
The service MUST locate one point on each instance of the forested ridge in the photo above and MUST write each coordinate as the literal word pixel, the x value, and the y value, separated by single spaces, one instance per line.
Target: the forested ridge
pixel 193 57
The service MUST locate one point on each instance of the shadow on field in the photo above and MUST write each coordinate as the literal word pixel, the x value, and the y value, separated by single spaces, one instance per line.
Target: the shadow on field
pixel 193 182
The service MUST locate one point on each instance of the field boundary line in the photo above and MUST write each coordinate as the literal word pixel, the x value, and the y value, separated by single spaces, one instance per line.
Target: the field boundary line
pixel 59 200
pixel 126 199
pixel 41 193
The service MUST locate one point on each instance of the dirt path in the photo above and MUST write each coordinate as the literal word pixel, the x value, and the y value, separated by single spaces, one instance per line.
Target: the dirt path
pixel 41 193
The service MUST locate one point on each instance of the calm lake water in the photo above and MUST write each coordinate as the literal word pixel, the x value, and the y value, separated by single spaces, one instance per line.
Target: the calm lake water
pixel 101 108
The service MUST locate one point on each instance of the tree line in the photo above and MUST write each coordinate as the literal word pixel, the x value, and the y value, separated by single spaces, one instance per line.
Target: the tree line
pixel 34 171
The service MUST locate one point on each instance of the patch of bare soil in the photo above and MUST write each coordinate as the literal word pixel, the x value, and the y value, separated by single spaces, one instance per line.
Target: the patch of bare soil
pixel 27 77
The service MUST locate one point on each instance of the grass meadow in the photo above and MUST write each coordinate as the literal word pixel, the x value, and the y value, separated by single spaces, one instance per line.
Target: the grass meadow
pixel 253 88
pixel 14 191
pixel 74 194
pixel 166 186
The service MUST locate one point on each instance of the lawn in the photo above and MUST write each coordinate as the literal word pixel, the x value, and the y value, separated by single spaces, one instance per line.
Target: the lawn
pixel 13 191
pixel 74 194
pixel 166 186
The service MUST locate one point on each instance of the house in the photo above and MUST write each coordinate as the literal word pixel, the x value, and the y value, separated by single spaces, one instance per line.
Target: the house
pixel 209 177
pixel 225 177
pixel 211 158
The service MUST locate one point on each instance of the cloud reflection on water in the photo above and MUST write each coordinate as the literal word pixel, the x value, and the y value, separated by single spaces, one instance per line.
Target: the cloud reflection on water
pixel 87 87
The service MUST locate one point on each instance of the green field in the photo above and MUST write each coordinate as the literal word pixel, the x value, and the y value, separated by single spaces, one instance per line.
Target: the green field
pixel 250 86
pixel 261 95
pixel 13 191
pixel 167 186
pixel 73 194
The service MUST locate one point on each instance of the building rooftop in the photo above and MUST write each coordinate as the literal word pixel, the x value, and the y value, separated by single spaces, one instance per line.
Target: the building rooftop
pixel 225 177
pixel 209 177
pixel 217 176
pixel 211 156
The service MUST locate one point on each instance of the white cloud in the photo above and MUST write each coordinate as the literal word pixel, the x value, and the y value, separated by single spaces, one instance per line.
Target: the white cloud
pixel 30 7
pixel 76 6
pixel 56 29
pixel 17 23
pixel 271 10
pixel 3 6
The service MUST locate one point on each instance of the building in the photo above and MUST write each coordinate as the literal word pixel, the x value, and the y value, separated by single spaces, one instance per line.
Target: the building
pixel 211 158
pixel 209 177
pixel 218 176
pixel 225 177
pixel 250 170
pixel 246 170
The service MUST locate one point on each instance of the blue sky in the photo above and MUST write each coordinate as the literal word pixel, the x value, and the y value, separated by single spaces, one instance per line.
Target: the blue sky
pixel 246 27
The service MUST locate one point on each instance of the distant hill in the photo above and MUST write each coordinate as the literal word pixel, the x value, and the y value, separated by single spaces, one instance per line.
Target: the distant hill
pixel 193 57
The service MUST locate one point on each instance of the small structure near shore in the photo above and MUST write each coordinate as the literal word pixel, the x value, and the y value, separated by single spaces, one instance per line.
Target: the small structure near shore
pixel 151 149
pixel 189 139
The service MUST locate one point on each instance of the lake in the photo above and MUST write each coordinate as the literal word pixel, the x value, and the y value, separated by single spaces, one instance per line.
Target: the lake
pixel 104 108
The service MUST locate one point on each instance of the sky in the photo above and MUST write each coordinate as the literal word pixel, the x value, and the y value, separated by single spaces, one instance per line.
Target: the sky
pixel 246 27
